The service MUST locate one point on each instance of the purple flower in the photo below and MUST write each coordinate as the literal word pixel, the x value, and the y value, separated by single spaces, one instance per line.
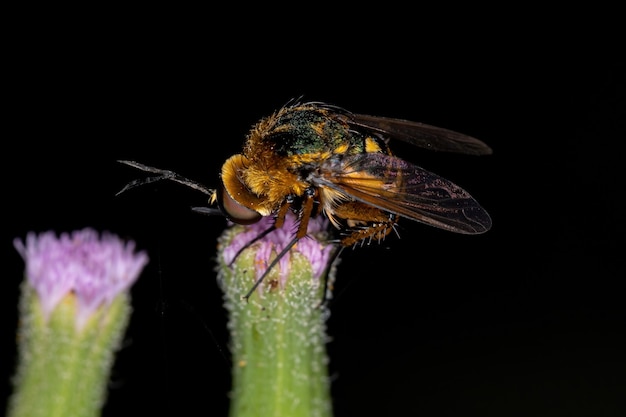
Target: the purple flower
pixel 318 253
pixel 95 269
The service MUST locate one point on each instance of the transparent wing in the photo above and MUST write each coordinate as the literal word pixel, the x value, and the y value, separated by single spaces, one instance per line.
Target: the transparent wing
pixel 420 134
pixel 394 185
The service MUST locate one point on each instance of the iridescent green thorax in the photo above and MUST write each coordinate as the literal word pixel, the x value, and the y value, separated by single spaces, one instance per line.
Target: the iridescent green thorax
pixel 310 129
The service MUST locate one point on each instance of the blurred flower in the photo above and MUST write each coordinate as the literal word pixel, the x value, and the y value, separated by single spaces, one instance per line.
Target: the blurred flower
pixel 74 309
pixel 94 268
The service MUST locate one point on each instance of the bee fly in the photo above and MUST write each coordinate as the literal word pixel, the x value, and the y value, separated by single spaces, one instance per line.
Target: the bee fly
pixel 314 158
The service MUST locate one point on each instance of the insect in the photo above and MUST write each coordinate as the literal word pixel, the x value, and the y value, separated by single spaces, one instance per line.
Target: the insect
pixel 314 158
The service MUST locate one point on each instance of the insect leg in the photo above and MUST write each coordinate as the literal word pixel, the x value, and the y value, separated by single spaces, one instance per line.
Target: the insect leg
pixel 305 212
pixel 282 212
pixel 256 239
pixel 304 216
pixel 271 265
pixel 365 223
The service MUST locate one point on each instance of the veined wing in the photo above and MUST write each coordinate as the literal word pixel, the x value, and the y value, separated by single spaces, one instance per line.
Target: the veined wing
pixel 394 185
pixel 420 134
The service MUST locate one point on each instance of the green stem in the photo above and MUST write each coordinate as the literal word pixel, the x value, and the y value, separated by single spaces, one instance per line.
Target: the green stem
pixel 278 341
pixel 63 371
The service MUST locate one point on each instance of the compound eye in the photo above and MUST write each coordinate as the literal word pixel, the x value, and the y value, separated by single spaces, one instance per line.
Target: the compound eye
pixel 236 212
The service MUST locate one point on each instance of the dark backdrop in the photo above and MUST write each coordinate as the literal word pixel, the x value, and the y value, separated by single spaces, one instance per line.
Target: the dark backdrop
pixel 528 319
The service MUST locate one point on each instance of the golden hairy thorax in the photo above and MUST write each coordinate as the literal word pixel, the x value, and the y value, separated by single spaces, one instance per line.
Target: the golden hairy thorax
pixel 282 147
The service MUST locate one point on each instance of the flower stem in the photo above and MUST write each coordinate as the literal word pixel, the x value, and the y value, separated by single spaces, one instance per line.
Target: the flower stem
pixel 64 370
pixel 278 339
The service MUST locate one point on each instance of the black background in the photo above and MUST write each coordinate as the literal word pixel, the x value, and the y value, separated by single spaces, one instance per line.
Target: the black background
pixel 528 319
